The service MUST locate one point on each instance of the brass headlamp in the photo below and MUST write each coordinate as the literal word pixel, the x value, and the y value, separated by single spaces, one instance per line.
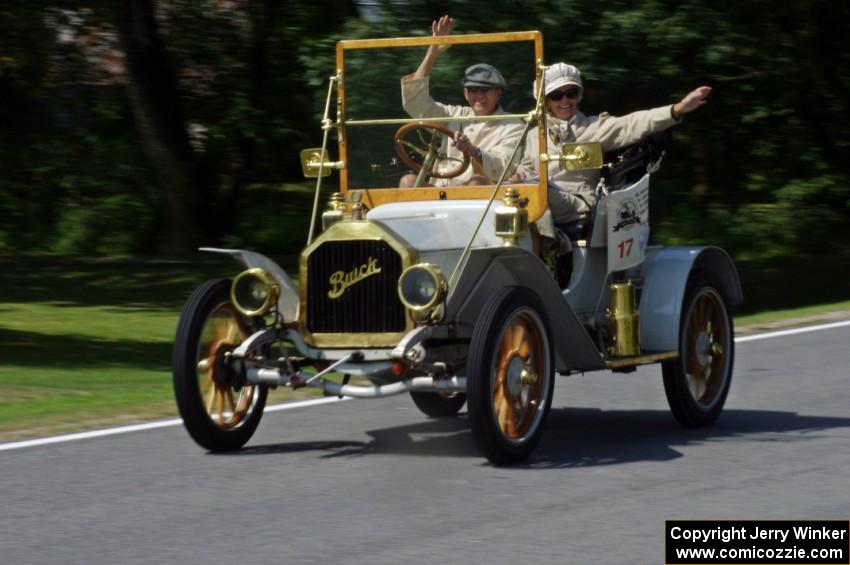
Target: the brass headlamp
pixel 421 287
pixel 254 292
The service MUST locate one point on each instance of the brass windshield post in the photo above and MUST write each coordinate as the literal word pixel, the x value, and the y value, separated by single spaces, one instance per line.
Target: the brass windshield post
pixel 540 115
pixel 326 126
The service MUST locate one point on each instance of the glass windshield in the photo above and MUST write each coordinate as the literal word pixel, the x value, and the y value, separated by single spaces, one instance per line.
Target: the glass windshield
pixel 375 111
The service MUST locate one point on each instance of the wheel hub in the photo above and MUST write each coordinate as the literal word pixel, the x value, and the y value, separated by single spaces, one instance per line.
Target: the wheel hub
pixel 529 377
pixel 222 368
pixel 516 368
pixel 703 349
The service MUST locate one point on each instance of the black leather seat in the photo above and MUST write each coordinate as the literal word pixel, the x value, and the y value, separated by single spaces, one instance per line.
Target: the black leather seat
pixel 628 164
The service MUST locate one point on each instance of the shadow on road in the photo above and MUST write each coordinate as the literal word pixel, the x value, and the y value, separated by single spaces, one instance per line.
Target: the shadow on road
pixel 299 447
pixel 578 437
pixel 583 437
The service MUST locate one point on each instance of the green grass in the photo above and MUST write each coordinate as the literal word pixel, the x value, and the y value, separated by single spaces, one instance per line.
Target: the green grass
pixel 816 312
pixel 84 343
pixel 87 343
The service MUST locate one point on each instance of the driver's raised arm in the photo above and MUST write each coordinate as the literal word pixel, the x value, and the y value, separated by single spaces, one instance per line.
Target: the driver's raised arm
pixel 415 96
pixel 489 144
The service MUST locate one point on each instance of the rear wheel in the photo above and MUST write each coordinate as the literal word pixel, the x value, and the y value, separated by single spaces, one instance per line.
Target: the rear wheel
pixel 510 375
pixel 218 411
pixel 439 404
pixel 697 382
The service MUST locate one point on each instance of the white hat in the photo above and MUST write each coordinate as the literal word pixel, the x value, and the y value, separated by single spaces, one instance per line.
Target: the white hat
pixel 558 75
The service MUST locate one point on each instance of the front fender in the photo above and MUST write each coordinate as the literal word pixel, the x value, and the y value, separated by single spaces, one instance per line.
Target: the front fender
pixel 665 280
pixel 287 302
pixel 489 269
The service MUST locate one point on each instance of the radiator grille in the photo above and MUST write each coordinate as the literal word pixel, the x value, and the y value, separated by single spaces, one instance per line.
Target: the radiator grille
pixel 368 300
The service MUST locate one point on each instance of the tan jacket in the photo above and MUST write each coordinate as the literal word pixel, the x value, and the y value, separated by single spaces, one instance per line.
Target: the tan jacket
pixel 576 191
pixel 496 140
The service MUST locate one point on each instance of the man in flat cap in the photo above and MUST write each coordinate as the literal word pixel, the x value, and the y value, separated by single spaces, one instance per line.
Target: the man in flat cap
pixel 488 144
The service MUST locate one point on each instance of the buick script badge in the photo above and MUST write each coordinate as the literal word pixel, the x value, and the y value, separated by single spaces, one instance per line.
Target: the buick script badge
pixel 341 280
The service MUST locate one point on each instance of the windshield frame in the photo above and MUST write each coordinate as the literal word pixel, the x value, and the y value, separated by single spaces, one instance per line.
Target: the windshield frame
pixel 373 197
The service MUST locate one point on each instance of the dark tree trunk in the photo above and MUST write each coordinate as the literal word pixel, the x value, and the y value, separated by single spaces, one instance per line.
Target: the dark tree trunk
pixel 263 18
pixel 156 104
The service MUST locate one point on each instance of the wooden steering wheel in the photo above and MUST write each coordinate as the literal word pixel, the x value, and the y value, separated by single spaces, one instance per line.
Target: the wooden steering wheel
pixel 428 149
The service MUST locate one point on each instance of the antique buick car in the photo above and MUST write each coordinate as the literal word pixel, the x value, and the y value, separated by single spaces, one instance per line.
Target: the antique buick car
pixel 446 292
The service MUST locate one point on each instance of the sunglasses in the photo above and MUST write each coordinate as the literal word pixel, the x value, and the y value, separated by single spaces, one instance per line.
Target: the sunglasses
pixel 559 94
pixel 479 89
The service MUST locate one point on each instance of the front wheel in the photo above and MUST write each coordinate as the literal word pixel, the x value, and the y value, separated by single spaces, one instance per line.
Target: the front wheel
pixel 510 375
pixel 218 411
pixel 697 382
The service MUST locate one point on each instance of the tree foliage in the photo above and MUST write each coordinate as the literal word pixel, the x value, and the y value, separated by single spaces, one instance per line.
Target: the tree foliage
pixel 761 169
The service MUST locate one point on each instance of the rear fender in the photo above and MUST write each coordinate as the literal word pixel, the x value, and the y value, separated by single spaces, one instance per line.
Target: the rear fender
pixel 665 279
pixel 287 303
pixel 490 269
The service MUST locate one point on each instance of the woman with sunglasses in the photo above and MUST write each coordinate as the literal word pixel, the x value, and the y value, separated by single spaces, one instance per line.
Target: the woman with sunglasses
pixel 572 194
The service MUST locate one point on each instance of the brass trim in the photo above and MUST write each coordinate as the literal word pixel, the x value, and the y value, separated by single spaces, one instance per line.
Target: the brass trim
pixel 536 194
pixel 391 121
pixel 641 359
pixel 623 320
pixel 343 178
pixel 315 163
pixel 272 291
pixel 340 281
pixel 577 156
pixel 353 231
pixel 376 196
pixel 472 38
pixel 439 279
pixel 335 211
pixel 511 218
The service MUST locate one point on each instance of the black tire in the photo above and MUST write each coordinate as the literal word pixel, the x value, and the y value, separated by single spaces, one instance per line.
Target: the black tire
pixel 508 407
pixel 438 404
pixel 697 382
pixel 219 417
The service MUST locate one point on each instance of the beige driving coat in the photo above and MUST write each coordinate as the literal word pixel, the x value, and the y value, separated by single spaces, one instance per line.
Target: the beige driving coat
pixel 572 194
pixel 496 140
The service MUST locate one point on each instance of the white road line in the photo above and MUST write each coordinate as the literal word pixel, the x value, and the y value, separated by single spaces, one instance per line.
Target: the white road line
pixel 324 400
pixel 783 333
pixel 148 426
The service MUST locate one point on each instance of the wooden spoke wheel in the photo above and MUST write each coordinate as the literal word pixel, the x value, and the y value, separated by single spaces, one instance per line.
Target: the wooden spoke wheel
pixel 218 410
pixel 698 381
pixel 427 148
pixel 510 375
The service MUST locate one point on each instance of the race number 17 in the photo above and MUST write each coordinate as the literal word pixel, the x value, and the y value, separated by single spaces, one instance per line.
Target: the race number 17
pixel 625 247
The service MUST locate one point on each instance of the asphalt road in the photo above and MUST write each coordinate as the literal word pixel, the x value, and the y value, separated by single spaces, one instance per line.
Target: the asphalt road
pixel 373 481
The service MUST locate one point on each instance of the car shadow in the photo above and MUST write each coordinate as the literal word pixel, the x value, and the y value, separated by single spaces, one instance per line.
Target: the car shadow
pixel 577 437
pixel 587 437
pixel 295 447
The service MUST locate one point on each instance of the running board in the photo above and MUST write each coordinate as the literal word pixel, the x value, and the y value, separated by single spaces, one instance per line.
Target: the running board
pixel 621 362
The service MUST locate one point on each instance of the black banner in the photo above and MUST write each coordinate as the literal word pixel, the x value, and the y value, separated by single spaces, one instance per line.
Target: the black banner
pixel 757 542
